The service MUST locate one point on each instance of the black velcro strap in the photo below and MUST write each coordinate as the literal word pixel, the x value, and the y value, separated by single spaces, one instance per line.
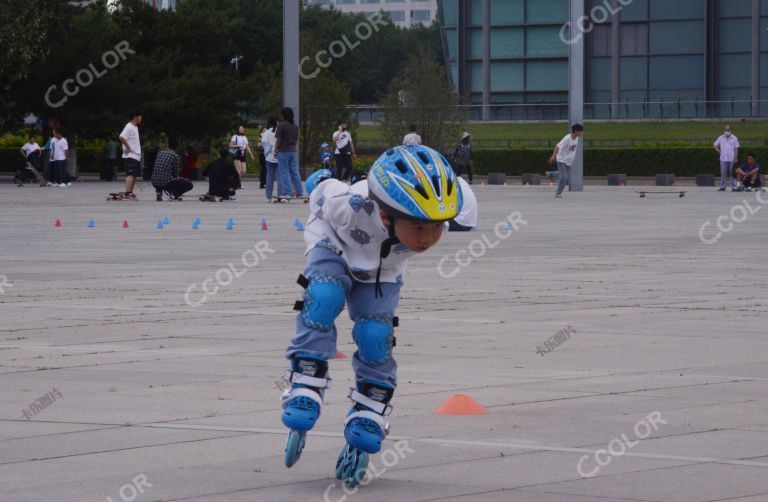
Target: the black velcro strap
pixel 302 281
pixel 394 341
pixel 298 305
pixel 395 322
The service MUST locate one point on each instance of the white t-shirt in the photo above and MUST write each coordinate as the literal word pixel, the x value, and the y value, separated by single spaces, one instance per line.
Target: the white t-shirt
pixel 268 141
pixel 567 150
pixel 131 135
pixel 412 139
pixel 240 141
pixel 342 139
pixel 468 215
pixel 728 147
pixel 29 148
pixel 344 220
pixel 59 147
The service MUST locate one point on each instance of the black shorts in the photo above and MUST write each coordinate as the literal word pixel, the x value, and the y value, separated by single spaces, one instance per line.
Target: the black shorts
pixel 239 155
pixel 132 167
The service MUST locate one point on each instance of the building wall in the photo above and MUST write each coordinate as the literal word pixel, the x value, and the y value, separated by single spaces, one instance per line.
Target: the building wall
pixel 404 13
pixel 669 52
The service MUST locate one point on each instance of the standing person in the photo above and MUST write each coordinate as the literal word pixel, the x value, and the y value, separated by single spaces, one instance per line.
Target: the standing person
pixel 286 145
pixel 564 153
pixel 238 145
pixel 165 173
pixel 270 159
pixel 110 158
pixel 262 159
pixel 60 153
pixel 412 138
pixel 31 153
pixel 50 171
pixel 727 145
pixel 345 151
pixel 462 156
pixel 129 138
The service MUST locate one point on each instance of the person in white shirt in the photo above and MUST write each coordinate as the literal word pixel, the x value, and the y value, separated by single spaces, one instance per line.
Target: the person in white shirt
pixel 238 145
pixel 31 152
pixel 59 154
pixel 131 153
pixel 466 220
pixel 345 151
pixel 564 153
pixel 270 158
pixel 727 145
pixel 412 138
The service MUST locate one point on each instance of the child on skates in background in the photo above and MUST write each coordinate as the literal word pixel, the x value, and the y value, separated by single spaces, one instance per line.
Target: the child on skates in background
pixel 325 157
pixel 358 241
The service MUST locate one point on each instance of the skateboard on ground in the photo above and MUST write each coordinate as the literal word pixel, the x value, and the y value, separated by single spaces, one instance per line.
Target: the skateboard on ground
pixel 284 198
pixel 680 193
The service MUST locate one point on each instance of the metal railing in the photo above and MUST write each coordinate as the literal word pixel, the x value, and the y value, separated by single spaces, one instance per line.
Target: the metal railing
pixel 679 109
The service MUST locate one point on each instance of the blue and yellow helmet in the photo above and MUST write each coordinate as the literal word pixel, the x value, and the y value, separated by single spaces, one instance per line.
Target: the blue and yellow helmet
pixel 415 182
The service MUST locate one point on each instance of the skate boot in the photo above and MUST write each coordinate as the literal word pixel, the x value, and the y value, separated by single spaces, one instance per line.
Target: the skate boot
pixel 302 402
pixel 364 429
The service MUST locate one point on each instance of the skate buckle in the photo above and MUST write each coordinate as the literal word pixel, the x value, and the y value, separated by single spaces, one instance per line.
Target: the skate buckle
pixel 291 376
pixel 382 409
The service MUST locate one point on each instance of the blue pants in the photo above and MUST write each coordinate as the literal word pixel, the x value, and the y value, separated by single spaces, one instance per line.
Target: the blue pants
pixel 289 171
pixel 564 172
pixel 361 303
pixel 272 173
pixel 726 173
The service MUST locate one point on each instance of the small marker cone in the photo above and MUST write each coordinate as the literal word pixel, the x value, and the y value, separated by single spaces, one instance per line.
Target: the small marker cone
pixel 57 224
pixel 460 404
pixel 263 226
pixel 340 355
pixel 509 226
pixel 159 224
pixel 165 220
pixel 197 221
pixel 297 222
pixel 195 226
pixel 230 224
pixel 91 224
pixel 263 221
pixel 125 223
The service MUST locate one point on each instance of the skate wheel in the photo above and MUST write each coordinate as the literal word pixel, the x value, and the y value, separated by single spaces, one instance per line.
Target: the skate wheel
pixel 294 447
pixel 351 465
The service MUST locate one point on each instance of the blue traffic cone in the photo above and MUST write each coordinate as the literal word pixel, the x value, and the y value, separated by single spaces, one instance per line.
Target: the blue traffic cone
pixel 159 224
pixel 230 224
pixel 165 220
pixel 91 224
pixel 509 226
pixel 196 224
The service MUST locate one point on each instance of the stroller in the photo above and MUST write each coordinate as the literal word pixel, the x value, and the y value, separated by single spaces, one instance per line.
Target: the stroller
pixel 28 173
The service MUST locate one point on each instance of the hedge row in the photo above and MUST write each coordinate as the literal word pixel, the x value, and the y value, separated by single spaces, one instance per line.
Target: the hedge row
pixel 683 162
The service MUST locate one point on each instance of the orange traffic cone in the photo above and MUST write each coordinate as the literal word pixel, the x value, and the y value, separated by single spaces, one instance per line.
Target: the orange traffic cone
pixel 460 404
pixel 57 224
pixel 125 223
pixel 340 355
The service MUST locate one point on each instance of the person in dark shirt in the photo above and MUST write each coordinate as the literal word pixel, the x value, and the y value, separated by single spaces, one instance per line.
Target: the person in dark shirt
pixel 223 178
pixel 286 144
pixel 165 176
pixel 749 173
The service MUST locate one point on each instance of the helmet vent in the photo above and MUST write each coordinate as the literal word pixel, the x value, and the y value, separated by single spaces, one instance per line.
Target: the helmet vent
pixel 423 156
pixel 400 165
pixel 450 186
pixel 420 188
pixel 436 185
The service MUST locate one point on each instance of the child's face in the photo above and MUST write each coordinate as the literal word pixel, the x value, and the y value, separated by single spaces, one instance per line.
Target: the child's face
pixel 418 236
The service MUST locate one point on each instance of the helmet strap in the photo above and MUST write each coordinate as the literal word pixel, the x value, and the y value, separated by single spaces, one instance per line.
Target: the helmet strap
pixel 386 248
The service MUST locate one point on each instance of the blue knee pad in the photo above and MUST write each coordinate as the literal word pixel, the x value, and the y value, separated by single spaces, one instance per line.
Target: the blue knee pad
pixel 374 339
pixel 323 302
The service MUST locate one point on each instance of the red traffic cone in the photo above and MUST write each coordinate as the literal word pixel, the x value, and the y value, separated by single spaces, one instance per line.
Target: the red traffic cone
pixel 57 224
pixel 460 404
pixel 263 226
pixel 340 355
pixel 125 223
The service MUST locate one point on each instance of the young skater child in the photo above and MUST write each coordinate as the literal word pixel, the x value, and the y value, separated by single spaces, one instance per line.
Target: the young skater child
pixel 358 241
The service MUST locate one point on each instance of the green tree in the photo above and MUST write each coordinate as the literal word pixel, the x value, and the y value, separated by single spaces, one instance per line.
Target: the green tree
pixel 422 95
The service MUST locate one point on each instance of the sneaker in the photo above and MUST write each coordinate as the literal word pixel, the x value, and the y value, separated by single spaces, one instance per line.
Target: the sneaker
pixel 168 195
pixel 61 185
pixel 69 184
pixel 748 189
pixel 49 184
pixel 722 189
pixel 129 196
pixel 159 197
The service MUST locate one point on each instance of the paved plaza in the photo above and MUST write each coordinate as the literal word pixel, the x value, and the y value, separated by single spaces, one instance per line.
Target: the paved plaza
pixel 618 344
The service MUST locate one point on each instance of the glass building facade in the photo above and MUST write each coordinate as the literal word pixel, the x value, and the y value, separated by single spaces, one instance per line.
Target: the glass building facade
pixel 404 13
pixel 643 58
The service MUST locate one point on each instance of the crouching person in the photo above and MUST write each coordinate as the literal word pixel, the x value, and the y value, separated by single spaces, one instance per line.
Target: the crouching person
pixel 165 176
